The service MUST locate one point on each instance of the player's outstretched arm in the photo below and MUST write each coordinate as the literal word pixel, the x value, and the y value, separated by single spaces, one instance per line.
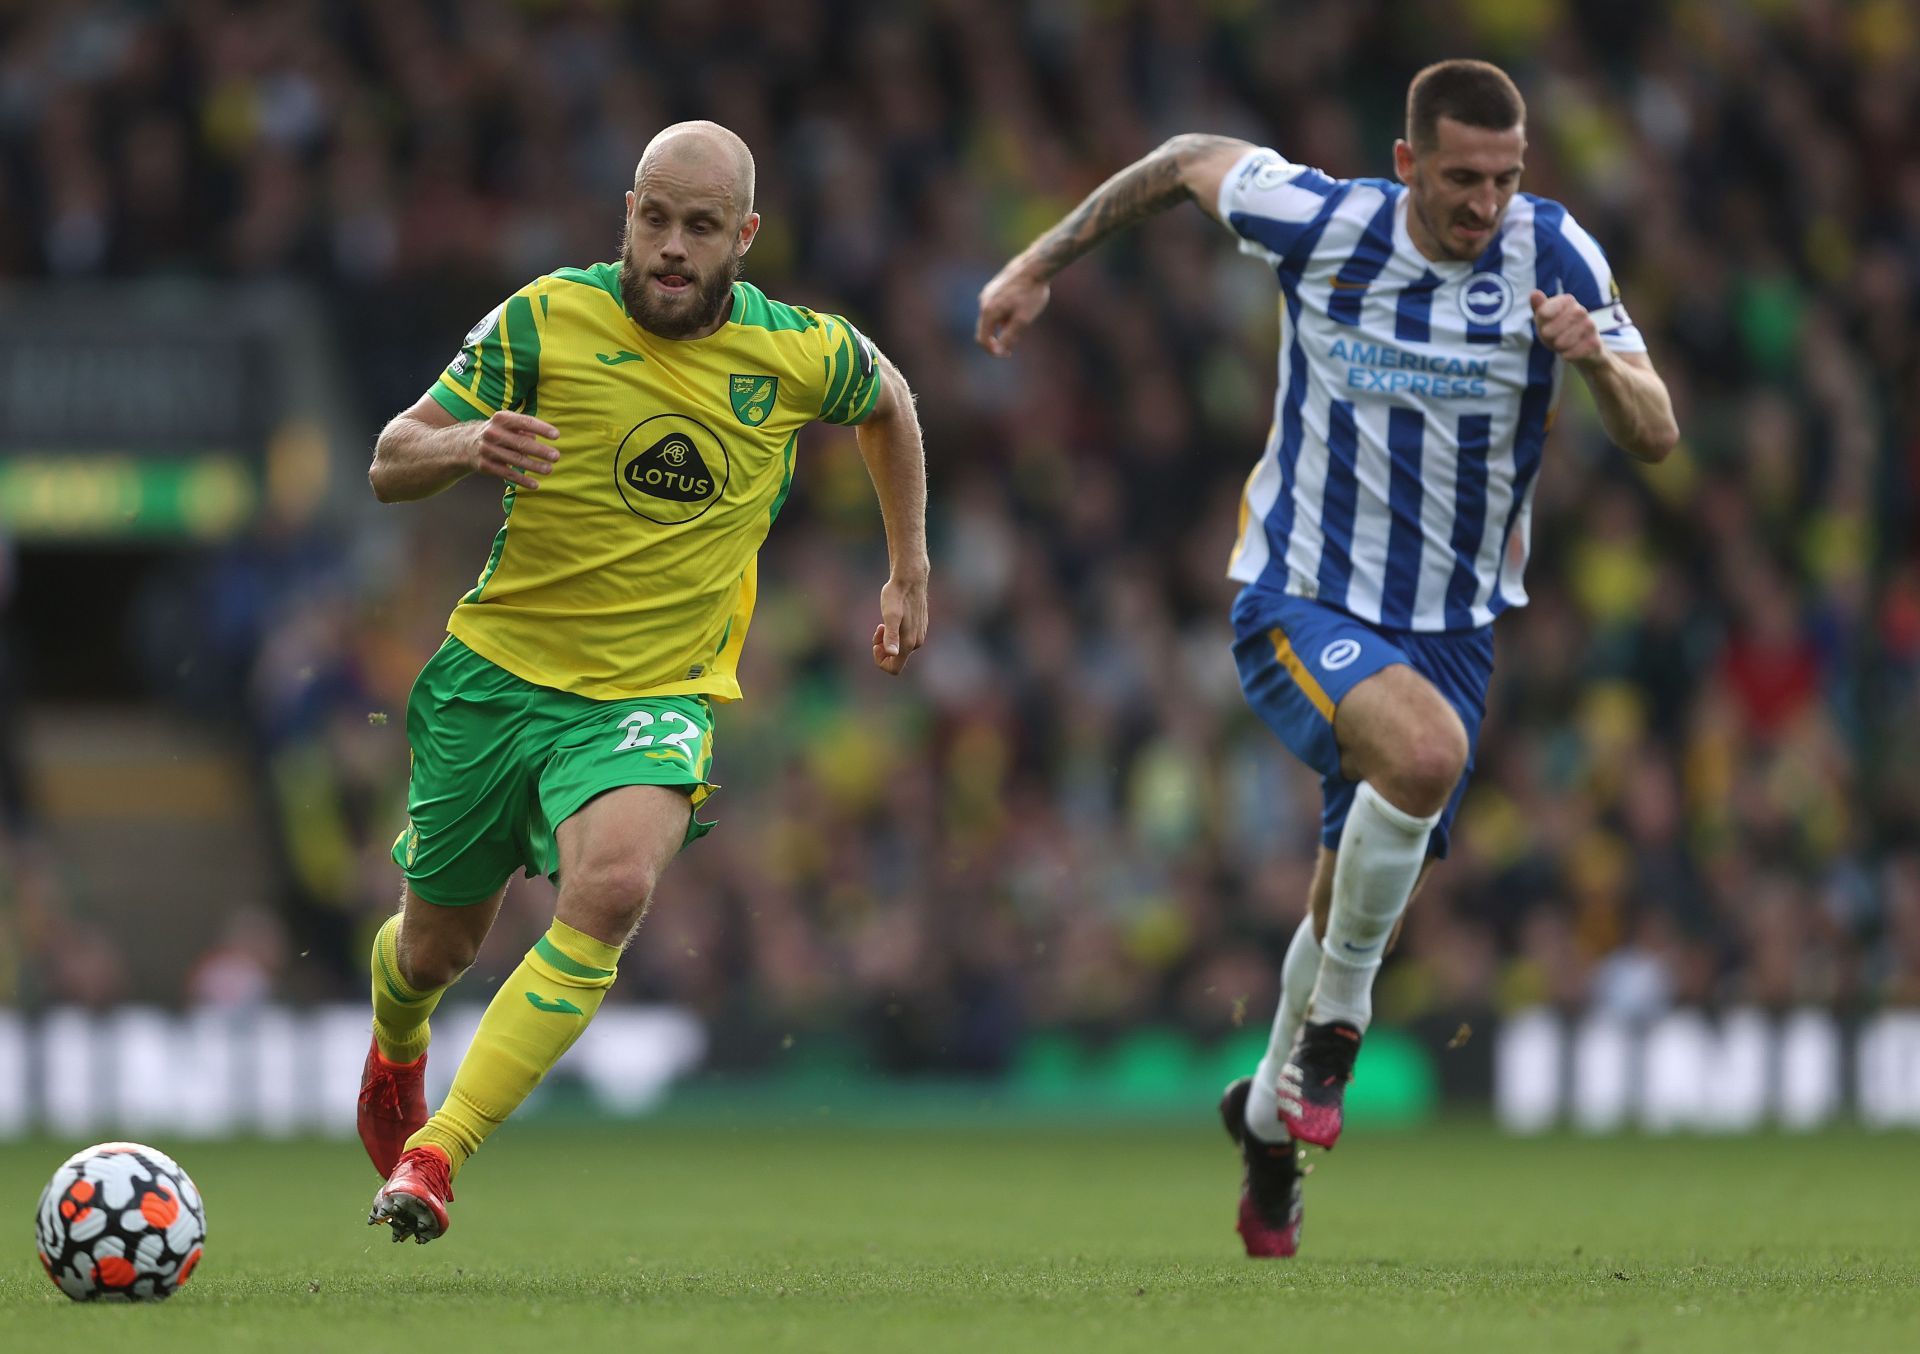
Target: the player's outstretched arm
pixel 1634 405
pixel 424 449
pixel 889 439
pixel 1189 166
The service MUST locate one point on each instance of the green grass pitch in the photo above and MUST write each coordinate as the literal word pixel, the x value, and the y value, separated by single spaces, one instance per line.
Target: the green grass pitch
pixel 833 1237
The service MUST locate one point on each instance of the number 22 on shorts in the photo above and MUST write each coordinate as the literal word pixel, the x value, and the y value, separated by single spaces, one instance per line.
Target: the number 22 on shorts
pixel 642 719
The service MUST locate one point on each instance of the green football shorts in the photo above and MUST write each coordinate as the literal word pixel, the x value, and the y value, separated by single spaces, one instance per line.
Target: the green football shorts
pixel 499 763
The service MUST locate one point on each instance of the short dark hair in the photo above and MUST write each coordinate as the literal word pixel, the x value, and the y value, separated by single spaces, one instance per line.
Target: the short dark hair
pixel 1477 93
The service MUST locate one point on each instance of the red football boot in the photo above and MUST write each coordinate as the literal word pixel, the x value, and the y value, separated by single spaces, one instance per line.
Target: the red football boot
pixel 414 1200
pixel 393 1106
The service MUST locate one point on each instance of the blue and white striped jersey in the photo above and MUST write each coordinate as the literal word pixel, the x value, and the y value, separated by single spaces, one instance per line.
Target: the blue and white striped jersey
pixel 1398 478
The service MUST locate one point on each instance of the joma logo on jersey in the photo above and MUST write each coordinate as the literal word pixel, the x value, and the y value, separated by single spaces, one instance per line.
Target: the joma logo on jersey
pixel 752 397
pixel 671 468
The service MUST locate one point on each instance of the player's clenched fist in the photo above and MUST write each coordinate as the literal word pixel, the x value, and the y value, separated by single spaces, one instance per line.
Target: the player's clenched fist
pixel 1008 304
pixel 903 622
pixel 507 448
pixel 1566 327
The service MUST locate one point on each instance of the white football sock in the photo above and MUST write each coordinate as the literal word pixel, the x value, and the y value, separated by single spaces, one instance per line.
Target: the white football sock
pixel 1381 851
pixel 1298 972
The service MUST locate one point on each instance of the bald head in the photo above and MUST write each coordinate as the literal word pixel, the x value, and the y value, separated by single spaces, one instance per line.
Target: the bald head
pixel 690 223
pixel 702 156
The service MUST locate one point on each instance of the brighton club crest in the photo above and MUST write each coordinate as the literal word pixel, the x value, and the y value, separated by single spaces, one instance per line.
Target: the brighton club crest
pixel 752 397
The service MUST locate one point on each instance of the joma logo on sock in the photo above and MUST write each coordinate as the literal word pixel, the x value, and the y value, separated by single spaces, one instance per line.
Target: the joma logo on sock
pixel 558 1005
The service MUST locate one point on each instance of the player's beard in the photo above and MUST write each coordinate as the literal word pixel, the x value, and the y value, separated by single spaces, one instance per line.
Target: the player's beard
pixel 1442 232
pixel 701 308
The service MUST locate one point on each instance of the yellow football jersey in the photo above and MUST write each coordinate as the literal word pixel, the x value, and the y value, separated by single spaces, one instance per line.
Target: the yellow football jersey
pixel 630 571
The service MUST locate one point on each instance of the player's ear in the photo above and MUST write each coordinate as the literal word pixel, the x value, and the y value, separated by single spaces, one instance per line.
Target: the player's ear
pixel 1402 161
pixel 748 229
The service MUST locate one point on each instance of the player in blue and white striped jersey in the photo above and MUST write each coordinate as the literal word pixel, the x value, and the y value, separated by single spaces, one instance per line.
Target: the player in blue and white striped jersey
pixel 1425 327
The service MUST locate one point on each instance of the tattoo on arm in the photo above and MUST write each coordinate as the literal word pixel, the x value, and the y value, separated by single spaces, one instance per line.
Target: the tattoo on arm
pixel 1148 185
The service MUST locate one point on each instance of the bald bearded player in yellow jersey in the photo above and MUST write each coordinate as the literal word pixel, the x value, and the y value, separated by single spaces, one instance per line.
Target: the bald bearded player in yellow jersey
pixel 643 417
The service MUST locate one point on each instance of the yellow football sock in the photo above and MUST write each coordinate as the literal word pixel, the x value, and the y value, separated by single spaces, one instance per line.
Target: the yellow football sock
pixel 534 1018
pixel 400 1010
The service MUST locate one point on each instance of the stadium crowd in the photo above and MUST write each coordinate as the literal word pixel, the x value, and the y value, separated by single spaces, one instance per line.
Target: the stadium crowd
pixel 1700 776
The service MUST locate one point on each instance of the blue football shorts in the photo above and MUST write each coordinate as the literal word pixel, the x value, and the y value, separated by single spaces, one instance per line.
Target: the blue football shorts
pixel 1298 659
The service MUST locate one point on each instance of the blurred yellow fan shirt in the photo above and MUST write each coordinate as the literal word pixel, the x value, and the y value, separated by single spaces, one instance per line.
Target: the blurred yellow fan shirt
pixel 630 571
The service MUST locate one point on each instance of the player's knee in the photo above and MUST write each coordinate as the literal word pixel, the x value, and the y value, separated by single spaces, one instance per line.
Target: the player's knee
pixel 613 891
pixel 435 961
pixel 1427 766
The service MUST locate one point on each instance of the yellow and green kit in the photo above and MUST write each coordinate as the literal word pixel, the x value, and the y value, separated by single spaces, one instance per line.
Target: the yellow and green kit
pixel 614 603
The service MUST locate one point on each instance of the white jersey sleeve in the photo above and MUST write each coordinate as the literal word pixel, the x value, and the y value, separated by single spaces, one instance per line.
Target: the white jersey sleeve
pixel 1584 271
pixel 1271 202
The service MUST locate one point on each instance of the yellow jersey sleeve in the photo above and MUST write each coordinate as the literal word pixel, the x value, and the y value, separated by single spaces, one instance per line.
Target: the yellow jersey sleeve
pixel 851 372
pixel 498 365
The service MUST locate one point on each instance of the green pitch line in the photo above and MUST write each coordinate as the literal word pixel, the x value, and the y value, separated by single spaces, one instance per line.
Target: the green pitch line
pixel 827 1237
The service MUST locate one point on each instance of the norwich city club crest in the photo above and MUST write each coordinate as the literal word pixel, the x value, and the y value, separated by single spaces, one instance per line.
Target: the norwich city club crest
pixel 752 397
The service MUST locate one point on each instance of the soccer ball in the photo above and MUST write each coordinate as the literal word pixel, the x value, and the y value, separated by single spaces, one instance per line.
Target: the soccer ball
pixel 120 1220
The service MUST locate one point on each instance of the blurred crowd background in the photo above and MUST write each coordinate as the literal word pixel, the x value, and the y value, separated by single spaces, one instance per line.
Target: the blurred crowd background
pixel 1700 777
